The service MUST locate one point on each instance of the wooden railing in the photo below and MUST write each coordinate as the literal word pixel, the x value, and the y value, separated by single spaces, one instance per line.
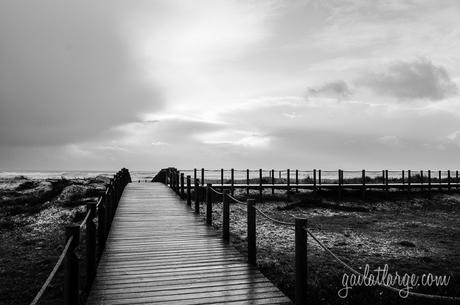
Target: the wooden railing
pixel 104 211
pixel 318 180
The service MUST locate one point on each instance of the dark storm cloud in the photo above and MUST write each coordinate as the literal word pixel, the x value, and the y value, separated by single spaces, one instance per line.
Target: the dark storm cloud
pixel 337 89
pixel 65 72
pixel 419 79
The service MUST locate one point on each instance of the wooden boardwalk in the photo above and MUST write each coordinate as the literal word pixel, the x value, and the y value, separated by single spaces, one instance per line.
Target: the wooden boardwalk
pixel 159 252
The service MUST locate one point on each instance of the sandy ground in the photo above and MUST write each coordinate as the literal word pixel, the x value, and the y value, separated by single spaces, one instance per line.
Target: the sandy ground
pixel 33 214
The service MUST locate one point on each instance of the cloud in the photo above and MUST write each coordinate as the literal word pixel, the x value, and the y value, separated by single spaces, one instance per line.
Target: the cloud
pixel 336 89
pixel 67 73
pixel 419 79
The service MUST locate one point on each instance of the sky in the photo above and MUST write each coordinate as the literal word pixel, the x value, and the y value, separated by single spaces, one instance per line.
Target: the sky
pixel 350 84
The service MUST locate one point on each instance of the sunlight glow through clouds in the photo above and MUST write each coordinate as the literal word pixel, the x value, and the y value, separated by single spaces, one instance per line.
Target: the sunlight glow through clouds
pixel 373 80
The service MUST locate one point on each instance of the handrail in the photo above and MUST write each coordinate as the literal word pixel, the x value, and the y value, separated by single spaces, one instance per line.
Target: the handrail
pixel 113 191
pixel 53 272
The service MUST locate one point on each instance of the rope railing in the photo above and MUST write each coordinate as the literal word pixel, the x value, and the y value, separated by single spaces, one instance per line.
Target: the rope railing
pixel 104 210
pixel 299 226
pixel 53 272
pixel 280 222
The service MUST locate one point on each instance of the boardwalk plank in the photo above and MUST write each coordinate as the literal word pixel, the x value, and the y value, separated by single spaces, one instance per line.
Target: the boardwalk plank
pixel 159 252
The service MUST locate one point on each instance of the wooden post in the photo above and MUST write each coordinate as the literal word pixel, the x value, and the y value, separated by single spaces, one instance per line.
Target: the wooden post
pixel 448 180
pixel 288 179
pixel 456 179
pixel 108 210
pixel 440 180
pixel 222 177
pixel 429 183
pixel 314 180
pixel 273 181
pixel 300 261
pixel 297 180
pixel 363 182
pixel 340 184
pixel 408 181
pixel 226 216
pixel 232 189
pixel 178 183
pixel 247 182
pixel 194 175
pixel 421 177
pixel 202 177
pixel 90 245
pixel 197 196
pixel 101 226
pixel 386 180
pixel 71 270
pixel 251 222
pixel 182 190
pixel 260 185
pixel 189 191
pixel 319 180
pixel 208 204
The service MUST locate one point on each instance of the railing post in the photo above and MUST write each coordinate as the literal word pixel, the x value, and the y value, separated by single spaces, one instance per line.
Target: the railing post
pixel 448 180
pixel 232 187
pixel 108 210
pixel 297 180
pixel 222 177
pixel 197 197
pixel 273 181
pixel 340 184
pixel 386 180
pixel 101 226
pixel 251 222
pixel 182 190
pixel 319 180
pixel 363 182
pixel 288 176
pixel 90 245
pixel 429 183
pixel 71 273
pixel 314 180
pixel 247 182
pixel 409 181
pixel 194 175
pixel 202 176
pixel 208 204
pixel 225 216
pixel 456 179
pixel 189 191
pixel 440 180
pixel 260 186
pixel 300 261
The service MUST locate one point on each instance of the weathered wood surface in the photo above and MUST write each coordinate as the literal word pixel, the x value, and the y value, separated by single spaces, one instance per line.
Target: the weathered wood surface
pixel 159 252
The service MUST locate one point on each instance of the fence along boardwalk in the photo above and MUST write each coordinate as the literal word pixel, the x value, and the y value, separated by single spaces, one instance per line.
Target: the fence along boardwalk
pixel 158 251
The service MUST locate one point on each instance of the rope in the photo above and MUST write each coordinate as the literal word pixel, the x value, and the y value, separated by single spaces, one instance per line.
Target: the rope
pixel 215 191
pixel 236 200
pixel 284 223
pixel 83 223
pixel 391 288
pixel 99 202
pixel 53 272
